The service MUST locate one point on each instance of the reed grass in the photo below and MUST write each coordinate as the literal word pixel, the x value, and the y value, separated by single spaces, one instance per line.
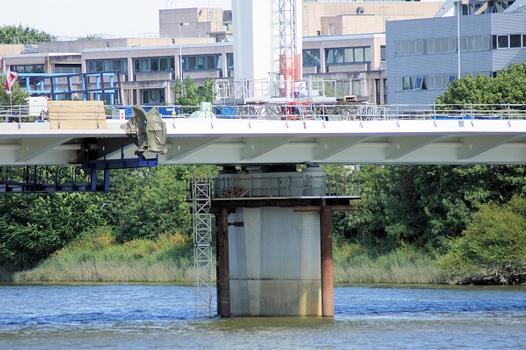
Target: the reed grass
pixel 98 258
pixel 406 265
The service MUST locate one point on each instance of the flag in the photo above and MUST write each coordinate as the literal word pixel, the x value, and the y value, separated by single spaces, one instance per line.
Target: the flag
pixel 10 81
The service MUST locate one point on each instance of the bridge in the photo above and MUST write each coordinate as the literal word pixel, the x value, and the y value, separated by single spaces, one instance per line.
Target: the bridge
pixel 274 234
pixel 290 134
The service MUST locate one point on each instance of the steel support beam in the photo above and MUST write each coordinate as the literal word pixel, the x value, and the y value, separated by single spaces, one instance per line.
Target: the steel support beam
pixel 188 147
pixel 331 146
pixel 402 147
pixel 258 147
pixel 223 267
pixel 34 147
pixel 477 145
pixel 327 284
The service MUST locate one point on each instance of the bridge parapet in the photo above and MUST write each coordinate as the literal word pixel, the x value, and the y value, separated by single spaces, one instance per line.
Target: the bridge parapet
pixel 299 110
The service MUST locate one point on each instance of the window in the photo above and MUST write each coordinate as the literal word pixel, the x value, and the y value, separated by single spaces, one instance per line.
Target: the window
pixel 311 58
pixel 419 82
pixel 406 83
pixel 358 55
pixel 382 52
pixel 524 40
pixel 502 41
pixel 348 55
pixel 515 40
pixel 203 63
pixel 153 96
pixel 154 64
pixel 27 68
pixel 452 45
pixel 367 54
pixel 398 48
pixel 419 47
pixel 68 68
pixel 357 88
pixel 110 65
pixel 230 60
pixel 339 56
pixel 438 81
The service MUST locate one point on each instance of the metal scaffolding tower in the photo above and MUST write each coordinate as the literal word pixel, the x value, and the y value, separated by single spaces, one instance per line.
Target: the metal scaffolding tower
pixel 288 52
pixel 202 234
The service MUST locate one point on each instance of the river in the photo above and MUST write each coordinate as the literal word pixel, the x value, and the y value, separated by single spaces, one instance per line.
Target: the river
pixel 162 317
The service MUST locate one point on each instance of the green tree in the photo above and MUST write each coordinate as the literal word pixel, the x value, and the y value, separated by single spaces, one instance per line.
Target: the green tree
pixel 18 96
pixel 507 87
pixel 494 239
pixel 146 203
pixel 34 226
pixel 425 205
pixel 22 35
pixel 193 95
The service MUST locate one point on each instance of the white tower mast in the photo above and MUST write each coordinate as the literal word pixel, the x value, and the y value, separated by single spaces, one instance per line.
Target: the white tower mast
pixel 257 47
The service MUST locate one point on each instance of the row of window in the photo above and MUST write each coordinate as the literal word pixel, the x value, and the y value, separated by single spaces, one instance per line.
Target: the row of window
pixel 344 55
pixel 450 45
pixel 442 45
pixel 111 65
pixel 509 41
pixel 27 68
pixel 161 64
pixel 202 63
pixel 427 82
pixel 349 55
pixel 154 64
pixel 434 81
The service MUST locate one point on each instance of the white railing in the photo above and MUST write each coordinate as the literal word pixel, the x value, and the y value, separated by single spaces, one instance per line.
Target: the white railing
pixel 303 110
pixel 267 89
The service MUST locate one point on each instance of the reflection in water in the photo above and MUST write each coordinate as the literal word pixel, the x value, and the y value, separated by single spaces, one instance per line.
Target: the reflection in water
pixel 161 316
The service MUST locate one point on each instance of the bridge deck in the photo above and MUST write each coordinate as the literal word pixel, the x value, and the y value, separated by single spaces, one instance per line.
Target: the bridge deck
pixel 256 141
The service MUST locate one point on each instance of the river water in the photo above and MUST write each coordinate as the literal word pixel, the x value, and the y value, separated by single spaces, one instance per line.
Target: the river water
pixel 162 317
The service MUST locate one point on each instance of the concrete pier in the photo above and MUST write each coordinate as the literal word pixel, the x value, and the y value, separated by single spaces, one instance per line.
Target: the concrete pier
pixel 275 253
pixel 274 263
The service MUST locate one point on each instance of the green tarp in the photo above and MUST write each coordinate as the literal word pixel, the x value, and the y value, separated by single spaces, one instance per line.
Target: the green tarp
pixel 148 131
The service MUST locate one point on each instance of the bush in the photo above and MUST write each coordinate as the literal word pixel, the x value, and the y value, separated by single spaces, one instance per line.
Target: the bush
pixel 492 244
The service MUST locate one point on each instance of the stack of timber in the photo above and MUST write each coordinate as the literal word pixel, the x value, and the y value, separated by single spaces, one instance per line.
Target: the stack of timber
pixel 69 115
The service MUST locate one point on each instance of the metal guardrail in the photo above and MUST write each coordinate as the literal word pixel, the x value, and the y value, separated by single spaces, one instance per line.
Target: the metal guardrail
pixel 298 185
pixel 44 179
pixel 301 110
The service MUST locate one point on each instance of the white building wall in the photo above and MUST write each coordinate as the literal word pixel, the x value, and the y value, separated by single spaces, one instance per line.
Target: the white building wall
pixel 253 42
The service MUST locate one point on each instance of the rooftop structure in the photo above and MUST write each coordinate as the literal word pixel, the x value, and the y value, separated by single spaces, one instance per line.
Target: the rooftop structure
pixel 214 23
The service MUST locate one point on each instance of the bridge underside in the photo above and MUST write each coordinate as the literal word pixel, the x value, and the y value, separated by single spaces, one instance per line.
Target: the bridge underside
pixel 264 141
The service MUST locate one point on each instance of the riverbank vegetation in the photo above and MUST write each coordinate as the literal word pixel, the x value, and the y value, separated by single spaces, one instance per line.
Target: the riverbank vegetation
pixel 414 224
pixel 97 257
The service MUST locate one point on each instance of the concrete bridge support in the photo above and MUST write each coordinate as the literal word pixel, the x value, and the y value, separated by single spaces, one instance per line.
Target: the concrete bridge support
pixel 274 255
pixel 274 243
pixel 273 263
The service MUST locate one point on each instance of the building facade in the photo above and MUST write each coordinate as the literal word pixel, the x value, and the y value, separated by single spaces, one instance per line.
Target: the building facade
pixel 422 55
pixel 350 66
